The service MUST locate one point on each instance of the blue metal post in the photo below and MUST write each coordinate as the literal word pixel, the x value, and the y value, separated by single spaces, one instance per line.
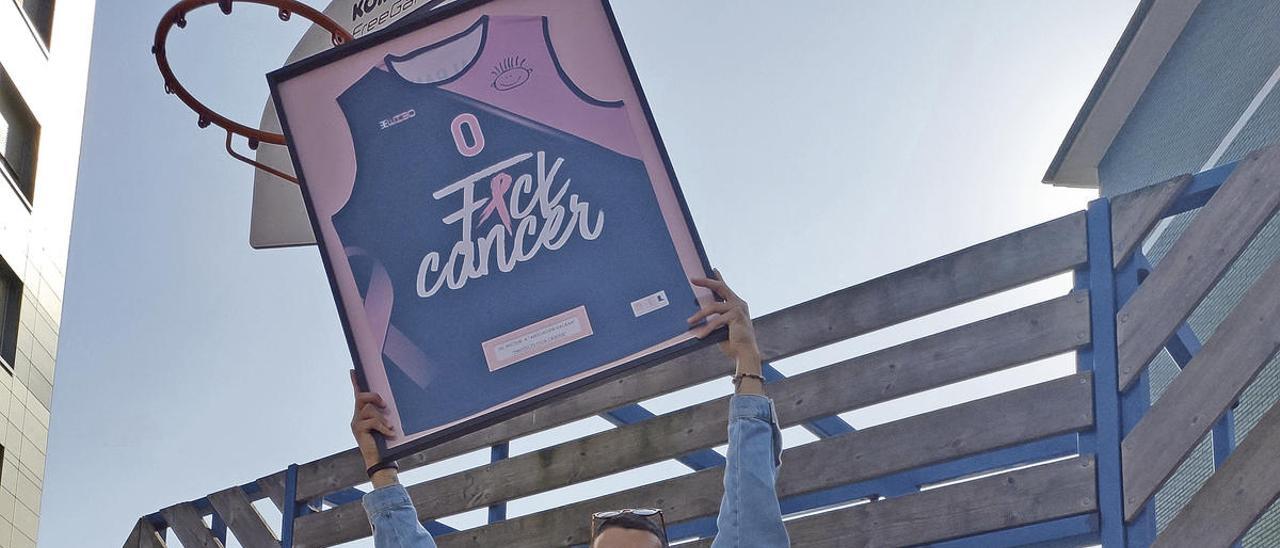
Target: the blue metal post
pixel 1102 355
pixel 1135 402
pixel 290 510
pixel 1224 435
pixel 219 528
pixel 1183 347
pixel 498 512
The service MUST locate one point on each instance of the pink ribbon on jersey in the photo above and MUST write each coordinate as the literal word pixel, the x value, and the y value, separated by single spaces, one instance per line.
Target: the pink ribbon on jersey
pixel 393 343
pixel 498 187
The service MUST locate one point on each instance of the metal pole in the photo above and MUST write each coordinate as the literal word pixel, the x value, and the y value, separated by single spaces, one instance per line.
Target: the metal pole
pixel 498 512
pixel 290 506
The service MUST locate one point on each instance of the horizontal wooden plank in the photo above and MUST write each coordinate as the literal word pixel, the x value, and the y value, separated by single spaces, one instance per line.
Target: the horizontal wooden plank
pixel 243 519
pixel 1217 235
pixel 1049 409
pixel 346 469
pixel 185 522
pixel 993 344
pixel 997 343
pixel 1235 496
pixel 1009 261
pixel 1025 256
pixel 1134 214
pixel 1241 345
pixel 1021 497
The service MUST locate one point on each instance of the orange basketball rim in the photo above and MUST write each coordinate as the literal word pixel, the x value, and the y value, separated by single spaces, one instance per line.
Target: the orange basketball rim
pixel 177 17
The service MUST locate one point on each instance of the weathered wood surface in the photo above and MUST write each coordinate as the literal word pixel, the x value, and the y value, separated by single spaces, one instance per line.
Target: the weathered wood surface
pixel 1010 261
pixel 1217 235
pixel 1235 496
pixel 1134 214
pixel 1050 491
pixel 1011 339
pixel 273 486
pixel 1051 408
pixel 186 524
pixel 243 519
pixel 144 536
pixel 1241 346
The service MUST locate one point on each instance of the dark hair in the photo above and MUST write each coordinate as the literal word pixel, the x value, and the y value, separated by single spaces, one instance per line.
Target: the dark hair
pixel 632 521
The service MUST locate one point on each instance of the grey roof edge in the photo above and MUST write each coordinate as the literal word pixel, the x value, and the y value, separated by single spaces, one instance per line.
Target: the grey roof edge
pixel 1147 38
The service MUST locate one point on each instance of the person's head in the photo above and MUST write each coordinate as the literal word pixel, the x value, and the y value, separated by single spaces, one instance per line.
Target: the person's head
pixel 627 529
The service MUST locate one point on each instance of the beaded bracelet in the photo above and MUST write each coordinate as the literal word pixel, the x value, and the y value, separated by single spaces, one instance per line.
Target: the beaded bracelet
pixel 737 379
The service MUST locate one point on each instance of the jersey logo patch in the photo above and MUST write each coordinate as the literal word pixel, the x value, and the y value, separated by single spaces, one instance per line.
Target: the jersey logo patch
pixel 399 118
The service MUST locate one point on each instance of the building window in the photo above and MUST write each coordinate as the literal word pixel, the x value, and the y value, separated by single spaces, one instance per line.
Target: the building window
pixel 40 13
pixel 19 139
pixel 10 304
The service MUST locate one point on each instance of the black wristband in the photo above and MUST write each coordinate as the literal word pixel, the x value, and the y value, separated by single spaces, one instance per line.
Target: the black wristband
pixel 383 466
pixel 737 379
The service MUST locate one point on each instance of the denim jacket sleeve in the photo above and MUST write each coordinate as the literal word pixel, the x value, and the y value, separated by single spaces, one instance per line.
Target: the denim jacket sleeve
pixel 395 522
pixel 749 511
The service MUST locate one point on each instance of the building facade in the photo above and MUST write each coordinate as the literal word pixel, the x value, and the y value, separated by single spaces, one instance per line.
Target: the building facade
pixel 1192 85
pixel 44 61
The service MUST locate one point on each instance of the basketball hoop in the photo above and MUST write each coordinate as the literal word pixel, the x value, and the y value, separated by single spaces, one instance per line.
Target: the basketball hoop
pixel 177 16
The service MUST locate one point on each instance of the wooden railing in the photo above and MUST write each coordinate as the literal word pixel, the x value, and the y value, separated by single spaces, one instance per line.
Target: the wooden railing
pixel 1076 459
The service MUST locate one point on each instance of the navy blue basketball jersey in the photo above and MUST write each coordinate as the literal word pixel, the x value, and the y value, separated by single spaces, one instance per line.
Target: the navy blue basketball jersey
pixel 505 254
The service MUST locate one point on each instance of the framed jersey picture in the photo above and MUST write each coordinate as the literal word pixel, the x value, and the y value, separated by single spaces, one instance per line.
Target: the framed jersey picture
pixel 495 210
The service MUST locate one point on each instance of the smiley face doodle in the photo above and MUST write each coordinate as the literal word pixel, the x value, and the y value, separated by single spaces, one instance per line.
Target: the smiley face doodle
pixel 510 73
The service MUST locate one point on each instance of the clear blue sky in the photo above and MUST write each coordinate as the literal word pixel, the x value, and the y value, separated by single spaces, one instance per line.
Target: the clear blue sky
pixel 819 146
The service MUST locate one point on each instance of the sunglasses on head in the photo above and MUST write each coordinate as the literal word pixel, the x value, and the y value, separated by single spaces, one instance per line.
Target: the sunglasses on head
pixel 600 518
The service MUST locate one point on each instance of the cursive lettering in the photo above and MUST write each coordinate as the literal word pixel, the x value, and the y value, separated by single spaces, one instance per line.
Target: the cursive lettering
pixel 542 221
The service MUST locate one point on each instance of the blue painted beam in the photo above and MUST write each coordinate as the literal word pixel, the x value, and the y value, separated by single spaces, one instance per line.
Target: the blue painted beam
pixel 1074 531
pixel 290 510
pixel 438 529
pixel 1133 406
pixel 1101 354
pixel 157 521
pixel 219 528
pixel 1135 402
pixel 501 451
pixel 824 427
pixel 1201 189
pixel 1183 347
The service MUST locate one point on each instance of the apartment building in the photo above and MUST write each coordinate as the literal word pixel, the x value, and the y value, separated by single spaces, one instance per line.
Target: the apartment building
pixel 44 62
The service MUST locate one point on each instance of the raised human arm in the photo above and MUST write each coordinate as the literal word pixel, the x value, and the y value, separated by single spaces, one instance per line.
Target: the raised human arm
pixel 391 513
pixel 749 512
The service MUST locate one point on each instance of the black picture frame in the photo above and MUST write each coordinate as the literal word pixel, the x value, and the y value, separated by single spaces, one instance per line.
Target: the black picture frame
pixel 414 23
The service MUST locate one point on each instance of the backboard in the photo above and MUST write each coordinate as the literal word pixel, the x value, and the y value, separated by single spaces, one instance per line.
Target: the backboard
pixel 279 218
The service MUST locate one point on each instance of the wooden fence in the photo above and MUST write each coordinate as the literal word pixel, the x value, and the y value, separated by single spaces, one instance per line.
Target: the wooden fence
pixel 1075 460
